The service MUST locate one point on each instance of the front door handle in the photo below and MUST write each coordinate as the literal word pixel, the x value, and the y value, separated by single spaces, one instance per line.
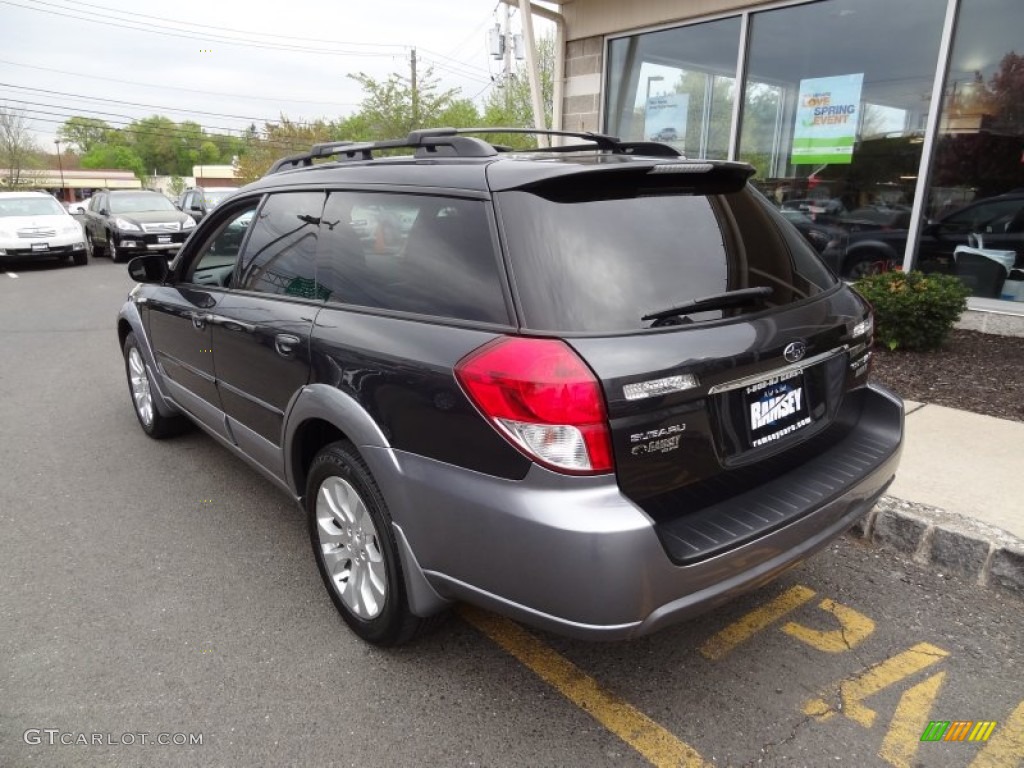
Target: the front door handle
pixel 285 344
pixel 198 321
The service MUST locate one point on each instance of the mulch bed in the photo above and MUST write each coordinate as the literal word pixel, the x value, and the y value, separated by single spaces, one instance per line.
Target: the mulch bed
pixel 978 372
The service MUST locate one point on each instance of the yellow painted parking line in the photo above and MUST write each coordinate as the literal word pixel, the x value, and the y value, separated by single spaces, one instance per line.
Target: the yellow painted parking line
pixel 631 725
pixel 852 692
pixel 1006 749
pixel 854 629
pixel 901 742
pixel 722 643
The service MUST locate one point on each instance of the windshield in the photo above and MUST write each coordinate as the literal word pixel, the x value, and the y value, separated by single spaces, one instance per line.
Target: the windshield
pixel 213 197
pixel 601 265
pixel 30 206
pixel 139 203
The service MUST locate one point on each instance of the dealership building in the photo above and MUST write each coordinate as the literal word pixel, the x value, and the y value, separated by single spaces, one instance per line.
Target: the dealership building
pixel 899 124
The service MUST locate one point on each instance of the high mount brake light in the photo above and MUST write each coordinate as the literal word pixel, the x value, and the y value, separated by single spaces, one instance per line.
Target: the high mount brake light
pixel 543 398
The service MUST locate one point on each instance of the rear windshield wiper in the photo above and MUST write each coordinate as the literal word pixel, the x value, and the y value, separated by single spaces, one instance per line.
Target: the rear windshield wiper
pixel 715 301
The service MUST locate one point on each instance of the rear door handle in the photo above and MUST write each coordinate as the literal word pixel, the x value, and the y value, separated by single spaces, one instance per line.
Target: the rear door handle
pixel 285 344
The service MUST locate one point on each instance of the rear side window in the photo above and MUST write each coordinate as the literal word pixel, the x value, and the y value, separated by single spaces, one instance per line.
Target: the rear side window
pixel 279 255
pixel 410 253
pixel 599 263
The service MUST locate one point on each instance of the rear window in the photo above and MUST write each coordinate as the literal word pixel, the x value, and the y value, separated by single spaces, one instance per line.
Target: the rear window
pixel 592 264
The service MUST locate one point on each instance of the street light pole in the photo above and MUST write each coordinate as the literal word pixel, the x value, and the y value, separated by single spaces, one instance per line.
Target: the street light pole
pixel 60 164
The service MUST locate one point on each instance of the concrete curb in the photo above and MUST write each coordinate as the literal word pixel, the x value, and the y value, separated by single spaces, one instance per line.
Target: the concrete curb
pixel 956 544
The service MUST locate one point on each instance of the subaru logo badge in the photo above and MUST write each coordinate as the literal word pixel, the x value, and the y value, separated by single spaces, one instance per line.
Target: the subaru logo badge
pixel 795 352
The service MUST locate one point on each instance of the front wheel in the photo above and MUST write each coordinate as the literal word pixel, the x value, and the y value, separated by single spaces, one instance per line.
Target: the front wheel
pixel 153 423
pixel 354 546
pixel 116 255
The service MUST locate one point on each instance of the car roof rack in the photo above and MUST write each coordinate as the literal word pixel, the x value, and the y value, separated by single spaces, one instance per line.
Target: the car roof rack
pixel 454 142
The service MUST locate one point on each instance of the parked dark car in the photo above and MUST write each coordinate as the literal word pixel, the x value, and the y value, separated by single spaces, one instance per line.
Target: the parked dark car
pixel 999 220
pixel 875 217
pixel 596 391
pixel 197 202
pixel 827 240
pixel 665 134
pixel 125 223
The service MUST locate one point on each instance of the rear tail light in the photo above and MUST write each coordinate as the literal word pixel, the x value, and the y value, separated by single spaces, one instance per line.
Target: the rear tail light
pixel 544 399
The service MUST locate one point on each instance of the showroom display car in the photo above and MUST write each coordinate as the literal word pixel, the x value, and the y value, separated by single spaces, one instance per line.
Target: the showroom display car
pixel 33 225
pixel 597 388
pixel 125 223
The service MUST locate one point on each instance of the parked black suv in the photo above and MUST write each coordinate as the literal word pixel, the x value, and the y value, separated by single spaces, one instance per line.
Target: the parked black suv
pixel 598 388
pixel 126 222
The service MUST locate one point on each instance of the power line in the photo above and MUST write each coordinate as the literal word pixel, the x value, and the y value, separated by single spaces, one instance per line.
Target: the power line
pixel 131 14
pixel 247 97
pixel 241 42
pixel 146 106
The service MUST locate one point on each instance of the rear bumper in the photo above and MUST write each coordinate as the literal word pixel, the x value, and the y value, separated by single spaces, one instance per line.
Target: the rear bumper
pixel 575 556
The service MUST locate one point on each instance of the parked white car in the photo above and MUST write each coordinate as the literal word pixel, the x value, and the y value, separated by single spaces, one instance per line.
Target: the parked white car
pixel 34 225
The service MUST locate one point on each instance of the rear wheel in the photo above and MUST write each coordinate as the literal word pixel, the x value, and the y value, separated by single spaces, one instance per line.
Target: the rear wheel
pixel 153 423
pixel 354 546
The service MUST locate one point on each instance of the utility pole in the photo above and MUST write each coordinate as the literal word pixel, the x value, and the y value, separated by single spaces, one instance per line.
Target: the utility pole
pixel 60 164
pixel 415 93
pixel 507 45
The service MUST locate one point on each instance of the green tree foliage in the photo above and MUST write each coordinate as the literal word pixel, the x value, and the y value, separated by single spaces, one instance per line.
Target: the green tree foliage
pixel 84 133
pixel 391 107
pixel 114 157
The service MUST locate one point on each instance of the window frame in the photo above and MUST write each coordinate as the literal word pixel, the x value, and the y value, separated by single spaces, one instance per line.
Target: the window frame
pixel 214 224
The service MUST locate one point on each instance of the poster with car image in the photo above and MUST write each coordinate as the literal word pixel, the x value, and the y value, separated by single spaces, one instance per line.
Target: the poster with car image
pixel 665 118
pixel 827 113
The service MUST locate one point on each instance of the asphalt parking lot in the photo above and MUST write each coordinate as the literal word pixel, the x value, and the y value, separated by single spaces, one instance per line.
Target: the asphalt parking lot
pixel 162 589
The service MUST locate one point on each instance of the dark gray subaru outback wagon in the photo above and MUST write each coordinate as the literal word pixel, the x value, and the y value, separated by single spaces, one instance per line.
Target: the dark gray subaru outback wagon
pixel 598 388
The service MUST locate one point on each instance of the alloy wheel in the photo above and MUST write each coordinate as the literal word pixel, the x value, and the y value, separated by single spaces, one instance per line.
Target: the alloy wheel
pixel 350 544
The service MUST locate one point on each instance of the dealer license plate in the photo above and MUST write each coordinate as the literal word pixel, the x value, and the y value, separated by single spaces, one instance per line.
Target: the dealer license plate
pixel 163 238
pixel 40 246
pixel 776 407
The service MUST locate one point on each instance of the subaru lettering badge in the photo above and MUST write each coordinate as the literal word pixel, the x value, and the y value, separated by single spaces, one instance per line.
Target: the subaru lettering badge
pixel 795 352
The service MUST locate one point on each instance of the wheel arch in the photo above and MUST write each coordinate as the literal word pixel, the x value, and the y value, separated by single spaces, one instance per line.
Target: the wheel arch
pixel 857 250
pixel 320 415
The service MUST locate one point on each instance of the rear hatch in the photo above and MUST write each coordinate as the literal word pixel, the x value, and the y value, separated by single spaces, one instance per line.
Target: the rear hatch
pixel 707 400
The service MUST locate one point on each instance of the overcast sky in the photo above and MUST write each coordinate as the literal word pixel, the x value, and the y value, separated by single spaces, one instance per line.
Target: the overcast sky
pixel 245 61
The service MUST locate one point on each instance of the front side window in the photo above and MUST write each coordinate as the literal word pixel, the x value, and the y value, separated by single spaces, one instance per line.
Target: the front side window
pixel 215 263
pixel 595 262
pixel 279 255
pixel 410 253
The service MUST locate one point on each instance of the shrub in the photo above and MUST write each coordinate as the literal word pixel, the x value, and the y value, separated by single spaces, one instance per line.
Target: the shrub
pixel 914 310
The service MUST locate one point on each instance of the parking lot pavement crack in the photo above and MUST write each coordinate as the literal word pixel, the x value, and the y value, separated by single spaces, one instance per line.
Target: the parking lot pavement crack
pixel 770 745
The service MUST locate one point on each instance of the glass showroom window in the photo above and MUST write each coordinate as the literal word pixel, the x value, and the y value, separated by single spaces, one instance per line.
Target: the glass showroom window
pixel 676 86
pixel 975 203
pixel 834 115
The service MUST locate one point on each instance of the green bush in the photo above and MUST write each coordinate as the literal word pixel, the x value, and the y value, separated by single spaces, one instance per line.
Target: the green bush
pixel 914 310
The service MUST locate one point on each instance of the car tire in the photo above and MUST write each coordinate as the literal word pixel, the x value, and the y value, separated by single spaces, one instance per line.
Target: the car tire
pixel 93 247
pixel 355 550
pixel 865 264
pixel 116 255
pixel 153 423
pixel 80 258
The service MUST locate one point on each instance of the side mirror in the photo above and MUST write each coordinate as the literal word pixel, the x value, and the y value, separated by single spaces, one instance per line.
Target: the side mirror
pixel 151 268
pixel 197 207
pixel 104 212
